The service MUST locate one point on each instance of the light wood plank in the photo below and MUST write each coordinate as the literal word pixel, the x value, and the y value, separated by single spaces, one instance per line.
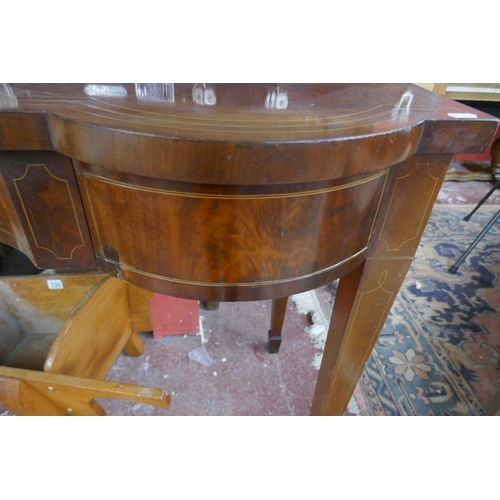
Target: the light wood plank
pixel 75 395
pixel 31 352
pixel 134 345
pixel 94 334
pixel 19 397
pixel 140 311
pixel 37 308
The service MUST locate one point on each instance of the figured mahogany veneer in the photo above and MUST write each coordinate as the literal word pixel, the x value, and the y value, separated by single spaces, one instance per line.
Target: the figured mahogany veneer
pixel 229 245
pixel 248 192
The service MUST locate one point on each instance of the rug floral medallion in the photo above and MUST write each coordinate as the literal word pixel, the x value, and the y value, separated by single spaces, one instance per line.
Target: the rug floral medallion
pixel 439 351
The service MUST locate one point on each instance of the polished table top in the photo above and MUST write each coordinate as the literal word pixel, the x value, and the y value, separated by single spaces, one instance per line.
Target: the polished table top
pixel 70 118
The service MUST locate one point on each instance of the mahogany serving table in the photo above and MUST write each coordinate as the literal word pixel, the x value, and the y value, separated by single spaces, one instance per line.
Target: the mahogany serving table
pixel 228 192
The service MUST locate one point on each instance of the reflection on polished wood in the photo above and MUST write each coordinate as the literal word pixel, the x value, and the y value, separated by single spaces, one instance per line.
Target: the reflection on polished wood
pixel 226 192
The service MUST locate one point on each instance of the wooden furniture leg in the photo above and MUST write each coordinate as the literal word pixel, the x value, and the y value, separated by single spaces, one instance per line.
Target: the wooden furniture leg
pixel 495 159
pixel 362 303
pixel 366 294
pixel 140 311
pixel 134 345
pixel 277 318
pixel 210 306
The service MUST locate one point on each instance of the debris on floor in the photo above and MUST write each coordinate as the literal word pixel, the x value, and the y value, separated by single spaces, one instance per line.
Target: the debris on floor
pixel 200 355
pixel 307 303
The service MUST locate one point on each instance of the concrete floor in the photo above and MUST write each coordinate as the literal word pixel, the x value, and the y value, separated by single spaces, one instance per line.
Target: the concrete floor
pixel 242 379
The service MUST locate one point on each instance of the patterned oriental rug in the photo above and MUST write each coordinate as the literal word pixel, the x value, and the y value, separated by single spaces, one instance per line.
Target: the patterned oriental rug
pixel 439 351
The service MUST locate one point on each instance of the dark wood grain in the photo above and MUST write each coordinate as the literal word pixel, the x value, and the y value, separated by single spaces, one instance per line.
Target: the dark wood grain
pixel 46 211
pixel 243 241
pixel 258 192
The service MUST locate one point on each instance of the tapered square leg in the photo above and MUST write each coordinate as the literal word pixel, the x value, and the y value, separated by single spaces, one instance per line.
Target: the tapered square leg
pixel 363 301
pixel 134 345
pixel 277 318
pixel 365 295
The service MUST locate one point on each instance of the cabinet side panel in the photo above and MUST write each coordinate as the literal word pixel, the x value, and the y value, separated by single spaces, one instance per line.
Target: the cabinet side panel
pixel 46 201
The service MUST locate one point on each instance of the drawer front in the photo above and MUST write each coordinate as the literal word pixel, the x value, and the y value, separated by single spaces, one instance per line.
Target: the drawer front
pixel 163 237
